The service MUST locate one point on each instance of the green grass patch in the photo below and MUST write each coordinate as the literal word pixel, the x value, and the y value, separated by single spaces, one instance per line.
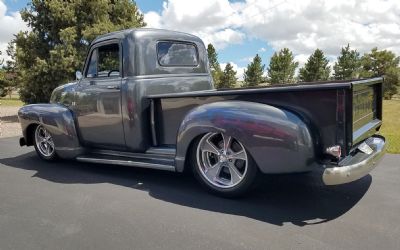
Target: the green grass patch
pixel 14 101
pixel 391 125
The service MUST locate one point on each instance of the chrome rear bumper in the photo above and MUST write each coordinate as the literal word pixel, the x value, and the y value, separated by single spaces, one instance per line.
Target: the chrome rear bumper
pixel 356 166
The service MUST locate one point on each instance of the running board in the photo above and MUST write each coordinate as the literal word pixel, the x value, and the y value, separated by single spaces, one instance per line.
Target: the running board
pixel 163 154
pixel 125 161
pixel 166 151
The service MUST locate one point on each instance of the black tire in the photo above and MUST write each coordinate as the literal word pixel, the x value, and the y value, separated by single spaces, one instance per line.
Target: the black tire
pixel 51 156
pixel 246 183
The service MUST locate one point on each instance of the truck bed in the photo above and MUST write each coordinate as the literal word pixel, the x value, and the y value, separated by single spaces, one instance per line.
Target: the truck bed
pixel 338 112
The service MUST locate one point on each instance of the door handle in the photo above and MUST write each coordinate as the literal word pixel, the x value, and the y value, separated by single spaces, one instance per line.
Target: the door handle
pixel 112 87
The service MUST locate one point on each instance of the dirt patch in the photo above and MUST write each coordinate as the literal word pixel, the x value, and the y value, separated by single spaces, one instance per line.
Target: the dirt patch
pixel 9 125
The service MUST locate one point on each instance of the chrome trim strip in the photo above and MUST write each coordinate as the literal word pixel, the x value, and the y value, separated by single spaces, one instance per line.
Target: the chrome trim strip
pixel 159 157
pixel 367 81
pixel 352 171
pixel 254 90
pixel 169 76
pixel 127 163
pixel 153 123
pixel 366 131
pixel 363 117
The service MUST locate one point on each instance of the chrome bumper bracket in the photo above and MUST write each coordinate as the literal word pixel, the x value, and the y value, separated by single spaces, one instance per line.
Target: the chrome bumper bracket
pixel 357 166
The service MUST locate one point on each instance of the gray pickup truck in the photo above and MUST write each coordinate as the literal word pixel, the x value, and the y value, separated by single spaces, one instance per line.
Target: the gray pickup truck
pixel 146 99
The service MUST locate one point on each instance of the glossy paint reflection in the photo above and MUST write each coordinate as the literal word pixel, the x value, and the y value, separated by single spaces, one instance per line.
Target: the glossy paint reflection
pixel 58 120
pixel 277 139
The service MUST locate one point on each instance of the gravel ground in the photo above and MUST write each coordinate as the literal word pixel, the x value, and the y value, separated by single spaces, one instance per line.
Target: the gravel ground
pixel 9 125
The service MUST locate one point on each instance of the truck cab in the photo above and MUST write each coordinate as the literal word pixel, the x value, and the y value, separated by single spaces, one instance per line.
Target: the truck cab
pixel 139 62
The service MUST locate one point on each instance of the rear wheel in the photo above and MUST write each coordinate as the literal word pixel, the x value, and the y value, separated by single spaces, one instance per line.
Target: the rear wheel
pixel 223 165
pixel 44 145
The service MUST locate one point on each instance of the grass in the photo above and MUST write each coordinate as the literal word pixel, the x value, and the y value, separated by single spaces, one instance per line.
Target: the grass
pixel 13 102
pixel 391 125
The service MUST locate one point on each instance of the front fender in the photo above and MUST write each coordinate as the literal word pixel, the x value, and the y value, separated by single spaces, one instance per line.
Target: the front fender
pixel 58 120
pixel 278 140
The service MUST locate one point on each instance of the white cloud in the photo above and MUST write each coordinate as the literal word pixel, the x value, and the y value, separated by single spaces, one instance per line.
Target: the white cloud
pixel 301 26
pixel 153 19
pixel 262 50
pixel 301 59
pixel 9 25
pixel 214 21
pixel 220 39
pixel 306 25
pixel 247 59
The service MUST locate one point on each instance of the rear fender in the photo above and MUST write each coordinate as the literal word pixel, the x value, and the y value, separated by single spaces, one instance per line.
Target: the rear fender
pixel 58 120
pixel 278 140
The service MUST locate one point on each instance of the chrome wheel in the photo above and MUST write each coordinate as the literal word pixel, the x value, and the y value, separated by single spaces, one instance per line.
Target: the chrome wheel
pixel 222 160
pixel 44 141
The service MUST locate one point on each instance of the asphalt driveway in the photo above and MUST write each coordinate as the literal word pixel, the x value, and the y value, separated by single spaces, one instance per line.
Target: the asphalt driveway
pixel 71 205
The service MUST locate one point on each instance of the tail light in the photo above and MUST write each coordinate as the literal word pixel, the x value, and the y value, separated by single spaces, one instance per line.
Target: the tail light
pixel 335 151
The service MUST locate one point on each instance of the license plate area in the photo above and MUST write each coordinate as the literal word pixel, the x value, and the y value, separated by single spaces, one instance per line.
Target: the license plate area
pixel 365 148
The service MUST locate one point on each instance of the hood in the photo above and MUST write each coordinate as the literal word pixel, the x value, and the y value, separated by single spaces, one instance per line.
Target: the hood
pixel 63 94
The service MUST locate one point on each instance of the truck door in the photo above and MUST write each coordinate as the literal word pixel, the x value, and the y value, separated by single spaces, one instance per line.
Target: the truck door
pixel 98 97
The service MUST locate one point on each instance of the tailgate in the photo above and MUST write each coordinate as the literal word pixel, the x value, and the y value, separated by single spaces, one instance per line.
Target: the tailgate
pixel 366 108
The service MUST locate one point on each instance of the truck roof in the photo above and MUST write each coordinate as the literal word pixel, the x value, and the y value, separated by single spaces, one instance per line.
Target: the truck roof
pixel 147 33
pixel 140 45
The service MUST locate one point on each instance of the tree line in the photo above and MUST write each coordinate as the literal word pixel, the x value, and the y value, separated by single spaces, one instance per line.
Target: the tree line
pixel 56 44
pixel 282 68
pixel 7 75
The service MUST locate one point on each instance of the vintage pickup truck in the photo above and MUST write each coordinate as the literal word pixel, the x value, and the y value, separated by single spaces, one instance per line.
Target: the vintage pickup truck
pixel 146 99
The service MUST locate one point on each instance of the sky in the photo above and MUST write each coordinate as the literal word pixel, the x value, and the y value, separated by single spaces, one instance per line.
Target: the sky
pixel 241 29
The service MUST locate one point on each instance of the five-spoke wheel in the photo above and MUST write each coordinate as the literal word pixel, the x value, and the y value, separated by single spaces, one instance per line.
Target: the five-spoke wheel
pixel 223 165
pixel 44 144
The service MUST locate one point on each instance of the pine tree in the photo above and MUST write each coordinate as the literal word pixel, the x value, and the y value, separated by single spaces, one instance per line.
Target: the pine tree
pixel 316 68
pixel 2 79
pixel 214 64
pixel 55 47
pixel 228 77
pixel 253 75
pixel 11 81
pixel 382 63
pixel 282 67
pixel 348 65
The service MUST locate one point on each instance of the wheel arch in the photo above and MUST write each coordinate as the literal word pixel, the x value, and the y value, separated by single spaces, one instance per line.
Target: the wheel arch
pixel 186 163
pixel 58 120
pixel 270 135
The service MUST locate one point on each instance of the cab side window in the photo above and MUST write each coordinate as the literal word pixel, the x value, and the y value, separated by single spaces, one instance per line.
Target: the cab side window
pixel 104 62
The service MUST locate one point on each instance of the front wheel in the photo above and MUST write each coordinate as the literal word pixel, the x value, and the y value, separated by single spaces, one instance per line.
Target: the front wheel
pixel 223 165
pixel 44 144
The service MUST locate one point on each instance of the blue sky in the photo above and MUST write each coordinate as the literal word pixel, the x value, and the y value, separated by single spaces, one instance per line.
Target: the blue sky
pixel 15 5
pixel 240 29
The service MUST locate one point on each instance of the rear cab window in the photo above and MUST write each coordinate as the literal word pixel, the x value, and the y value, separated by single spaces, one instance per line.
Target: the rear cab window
pixel 177 53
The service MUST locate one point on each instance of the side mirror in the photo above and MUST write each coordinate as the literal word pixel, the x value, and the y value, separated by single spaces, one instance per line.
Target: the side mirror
pixel 78 75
